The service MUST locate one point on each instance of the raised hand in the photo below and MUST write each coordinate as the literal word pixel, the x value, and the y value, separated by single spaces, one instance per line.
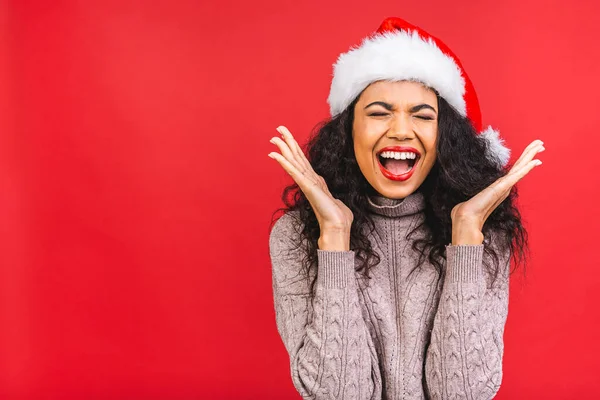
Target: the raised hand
pixel 334 217
pixel 468 217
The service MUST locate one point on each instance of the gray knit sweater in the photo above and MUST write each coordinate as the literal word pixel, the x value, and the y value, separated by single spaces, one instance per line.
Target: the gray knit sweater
pixel 398 335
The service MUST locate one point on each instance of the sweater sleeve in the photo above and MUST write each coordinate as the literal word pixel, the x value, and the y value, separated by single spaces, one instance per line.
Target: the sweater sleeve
pixel 464 357
pixel 331 352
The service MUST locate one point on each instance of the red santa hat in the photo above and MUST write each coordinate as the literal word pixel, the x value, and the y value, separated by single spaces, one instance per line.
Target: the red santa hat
pixel 398 51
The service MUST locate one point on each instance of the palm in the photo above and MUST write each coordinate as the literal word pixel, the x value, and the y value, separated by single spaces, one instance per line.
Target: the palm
pixel 478 208
pixel 330 212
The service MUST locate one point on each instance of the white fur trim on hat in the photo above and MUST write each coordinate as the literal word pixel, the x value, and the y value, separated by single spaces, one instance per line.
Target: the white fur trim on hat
pixel 395 56
pixel 497 151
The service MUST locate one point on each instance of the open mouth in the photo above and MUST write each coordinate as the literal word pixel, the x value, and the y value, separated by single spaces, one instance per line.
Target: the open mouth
pixel 397 167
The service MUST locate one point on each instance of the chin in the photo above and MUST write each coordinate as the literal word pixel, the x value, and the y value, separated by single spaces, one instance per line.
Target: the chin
pixel 396 193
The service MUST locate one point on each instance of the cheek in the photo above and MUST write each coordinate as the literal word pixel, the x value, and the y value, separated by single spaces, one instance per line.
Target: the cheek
pixel 364 141
pixel 361 150
pixel 430 140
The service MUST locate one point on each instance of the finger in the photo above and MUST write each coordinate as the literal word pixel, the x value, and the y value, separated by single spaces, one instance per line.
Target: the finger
pixel 525 163
pixel 290 168
pixel 497 192
pixel 315 197
pixel 527 155
pixel 502 187
pixel 531 145
pixel 290 140
pixel 304 179
pixel 294 146
pixel 508 181
pixel 529 152
pixel 287 153
pixel 512 179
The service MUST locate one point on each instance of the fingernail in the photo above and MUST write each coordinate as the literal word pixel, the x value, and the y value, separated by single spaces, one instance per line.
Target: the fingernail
pixel 270 155
pixel 539 162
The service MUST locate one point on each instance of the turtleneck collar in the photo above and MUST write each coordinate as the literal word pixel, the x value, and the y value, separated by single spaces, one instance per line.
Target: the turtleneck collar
pixel 412 204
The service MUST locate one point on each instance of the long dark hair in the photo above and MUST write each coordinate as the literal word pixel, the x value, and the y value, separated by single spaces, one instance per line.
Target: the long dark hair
pixel 461 171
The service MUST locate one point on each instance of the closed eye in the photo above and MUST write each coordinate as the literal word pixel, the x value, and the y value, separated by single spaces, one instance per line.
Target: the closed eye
pixel 377 114
pixel 424 117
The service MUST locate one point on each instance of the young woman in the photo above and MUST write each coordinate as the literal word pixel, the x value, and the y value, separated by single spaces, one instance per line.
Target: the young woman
pixel 391 262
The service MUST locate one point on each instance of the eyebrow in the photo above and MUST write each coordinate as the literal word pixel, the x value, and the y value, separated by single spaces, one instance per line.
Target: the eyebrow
pixel 390 107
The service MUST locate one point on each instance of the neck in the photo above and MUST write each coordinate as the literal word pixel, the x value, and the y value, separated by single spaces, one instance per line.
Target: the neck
pixel 385 206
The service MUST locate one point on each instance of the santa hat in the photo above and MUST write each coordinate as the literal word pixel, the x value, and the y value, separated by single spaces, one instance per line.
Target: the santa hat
pixel 398 51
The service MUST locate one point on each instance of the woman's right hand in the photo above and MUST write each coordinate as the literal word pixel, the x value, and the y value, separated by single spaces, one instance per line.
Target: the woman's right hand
pixel 334 217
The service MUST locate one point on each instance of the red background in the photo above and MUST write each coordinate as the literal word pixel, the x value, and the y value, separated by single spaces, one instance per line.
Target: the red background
pixel 136 191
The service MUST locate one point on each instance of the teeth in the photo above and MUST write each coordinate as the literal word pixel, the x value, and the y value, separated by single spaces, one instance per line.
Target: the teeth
pixel 398 155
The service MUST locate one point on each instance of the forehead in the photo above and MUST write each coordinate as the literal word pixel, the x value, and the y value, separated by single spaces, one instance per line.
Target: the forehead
pixel 399 92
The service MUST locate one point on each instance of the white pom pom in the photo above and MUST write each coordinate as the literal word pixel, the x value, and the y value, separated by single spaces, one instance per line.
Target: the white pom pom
pixel 497 151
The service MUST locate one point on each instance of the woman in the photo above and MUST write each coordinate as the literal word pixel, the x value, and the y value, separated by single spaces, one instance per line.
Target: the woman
pixel 391 264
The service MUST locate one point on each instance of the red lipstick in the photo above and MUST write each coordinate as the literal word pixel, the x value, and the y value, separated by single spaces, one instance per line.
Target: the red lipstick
pixel 401 177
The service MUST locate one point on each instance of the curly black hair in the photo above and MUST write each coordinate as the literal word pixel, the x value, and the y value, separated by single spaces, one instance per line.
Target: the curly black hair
pixel 460 172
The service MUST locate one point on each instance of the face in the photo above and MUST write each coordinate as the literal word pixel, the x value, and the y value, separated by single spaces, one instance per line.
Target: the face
pixel 395 136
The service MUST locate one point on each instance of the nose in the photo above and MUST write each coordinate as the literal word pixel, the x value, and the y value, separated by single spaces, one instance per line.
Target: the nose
pixel 401 127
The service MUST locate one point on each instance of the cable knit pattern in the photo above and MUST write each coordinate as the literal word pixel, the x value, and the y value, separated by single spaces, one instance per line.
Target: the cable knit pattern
pixel 400 335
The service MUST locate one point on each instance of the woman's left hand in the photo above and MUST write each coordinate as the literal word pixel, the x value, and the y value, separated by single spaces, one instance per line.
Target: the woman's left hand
pixel 469 216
